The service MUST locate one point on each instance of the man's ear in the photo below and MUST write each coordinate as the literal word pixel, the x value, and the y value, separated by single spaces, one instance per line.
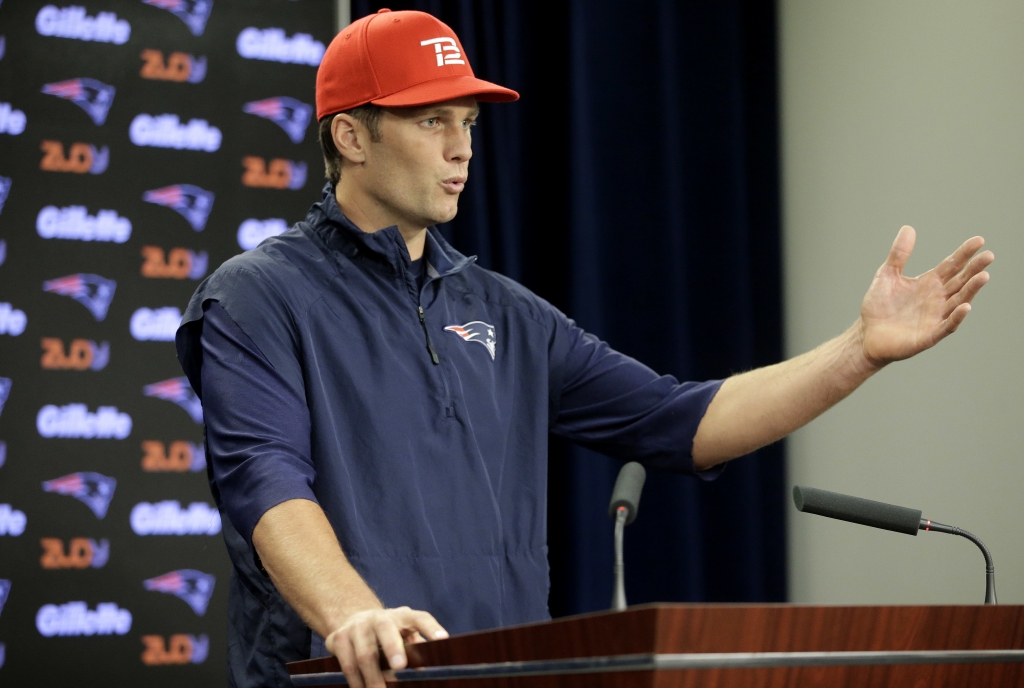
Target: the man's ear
pixel 350 138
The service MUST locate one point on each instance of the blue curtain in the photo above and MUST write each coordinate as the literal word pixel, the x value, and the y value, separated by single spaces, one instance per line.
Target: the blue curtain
pixel 635 185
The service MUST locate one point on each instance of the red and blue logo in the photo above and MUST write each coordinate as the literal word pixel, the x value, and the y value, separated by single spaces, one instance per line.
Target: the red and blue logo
pixel 95 97
pixel 193 12
pixel 5 391
pixel 191 202
pixel 178 391
pixel 5 188
pixel 193 587
pixel 289 114
pixel 5 590
pixel 92 489
pixel 92 291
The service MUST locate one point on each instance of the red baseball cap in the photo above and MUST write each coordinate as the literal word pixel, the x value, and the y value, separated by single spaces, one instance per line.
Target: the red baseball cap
pixel 398 59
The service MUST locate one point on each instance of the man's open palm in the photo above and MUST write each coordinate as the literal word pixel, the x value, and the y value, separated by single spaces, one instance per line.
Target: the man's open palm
pixel 902 316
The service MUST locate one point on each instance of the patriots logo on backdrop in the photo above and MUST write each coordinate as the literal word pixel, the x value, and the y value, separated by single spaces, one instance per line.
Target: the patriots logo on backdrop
pixel 3 250
pixel 194 587
pixel 3 454
pixel 476 331
pixel 180 392
pixel 5 188
pixel 92 489
pixel 5 590
pixel 191 202
pixel 193 12
pixel 93 96
pixel 92 291
pixel 287 113
pixel 5 391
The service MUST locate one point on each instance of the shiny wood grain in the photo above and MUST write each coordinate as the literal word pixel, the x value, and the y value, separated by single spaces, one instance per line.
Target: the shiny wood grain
pixel 676 628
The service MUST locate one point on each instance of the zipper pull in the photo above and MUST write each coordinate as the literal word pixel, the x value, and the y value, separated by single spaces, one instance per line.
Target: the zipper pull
pixel 430 347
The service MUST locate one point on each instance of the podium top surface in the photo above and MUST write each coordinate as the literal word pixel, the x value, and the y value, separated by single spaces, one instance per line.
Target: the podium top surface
pixel 659 629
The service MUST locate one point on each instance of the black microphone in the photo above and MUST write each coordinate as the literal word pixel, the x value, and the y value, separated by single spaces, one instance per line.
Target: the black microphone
pixel 624 505
pixel 898 519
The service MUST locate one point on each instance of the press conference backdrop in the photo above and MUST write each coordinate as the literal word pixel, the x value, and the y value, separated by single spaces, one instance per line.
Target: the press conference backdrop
pixel 142 143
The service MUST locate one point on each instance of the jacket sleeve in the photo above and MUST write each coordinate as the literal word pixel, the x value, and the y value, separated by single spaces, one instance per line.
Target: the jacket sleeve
pixel 613 404
pixel 257 421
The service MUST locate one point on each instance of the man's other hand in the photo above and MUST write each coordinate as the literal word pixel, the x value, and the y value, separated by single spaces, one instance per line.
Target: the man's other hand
pixel 355 643
pixel 902 316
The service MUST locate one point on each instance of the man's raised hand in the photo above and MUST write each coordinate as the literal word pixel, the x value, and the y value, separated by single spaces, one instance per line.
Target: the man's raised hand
pixel 902 316
pixel 355 643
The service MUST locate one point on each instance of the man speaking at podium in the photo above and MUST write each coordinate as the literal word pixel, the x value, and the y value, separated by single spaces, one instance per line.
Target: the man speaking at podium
pixel 378 406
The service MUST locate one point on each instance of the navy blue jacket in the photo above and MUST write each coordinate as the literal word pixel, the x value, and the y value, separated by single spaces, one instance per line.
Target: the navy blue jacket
pixel 421 433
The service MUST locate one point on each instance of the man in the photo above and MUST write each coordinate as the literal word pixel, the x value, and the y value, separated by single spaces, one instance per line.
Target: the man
pixel 377 406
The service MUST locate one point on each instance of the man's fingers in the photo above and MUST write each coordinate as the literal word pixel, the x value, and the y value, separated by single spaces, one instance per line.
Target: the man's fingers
pixel 390 640
pixel 346 655
pixel 951 323
pixel 948 268
pixel 967 294
pixel 364 642
pixel 976 265
pixel 422 622
pixel 901 248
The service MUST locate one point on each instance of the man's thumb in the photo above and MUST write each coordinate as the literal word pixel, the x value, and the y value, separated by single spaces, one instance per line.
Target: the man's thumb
pixel 902 247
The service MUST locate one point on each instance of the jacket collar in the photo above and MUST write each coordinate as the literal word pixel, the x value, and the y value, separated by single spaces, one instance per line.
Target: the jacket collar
pixel 327 220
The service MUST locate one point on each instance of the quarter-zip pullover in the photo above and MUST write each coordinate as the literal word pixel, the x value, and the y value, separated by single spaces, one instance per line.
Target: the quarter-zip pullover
pixel 416 413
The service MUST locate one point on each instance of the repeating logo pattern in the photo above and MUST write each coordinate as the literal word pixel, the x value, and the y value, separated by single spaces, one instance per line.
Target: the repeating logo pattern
pixel 92 291
pixel 289 114
pixel 193 12
pixel 177 390
pixel 191 202
pixel 193 587
pixel 92 489
pixel 93 96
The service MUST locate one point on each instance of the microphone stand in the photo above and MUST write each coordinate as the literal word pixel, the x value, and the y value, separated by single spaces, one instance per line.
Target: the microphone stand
pixel 990 568
pixel 619 596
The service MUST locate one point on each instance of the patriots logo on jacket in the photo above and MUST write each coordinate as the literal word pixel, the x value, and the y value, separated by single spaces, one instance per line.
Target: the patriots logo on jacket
pixel 5 590
pixel 92 291
pixel 5 188
pixel 287 113
pixel 180 392
pixel 193 12
pixel 5 391
pixel 95 97
pixel 92 489
pixel 476 331
pixel 191 202
pixel 194 587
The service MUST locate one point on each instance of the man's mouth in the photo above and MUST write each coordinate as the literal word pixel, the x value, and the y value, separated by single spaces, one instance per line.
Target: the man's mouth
pixel 454 185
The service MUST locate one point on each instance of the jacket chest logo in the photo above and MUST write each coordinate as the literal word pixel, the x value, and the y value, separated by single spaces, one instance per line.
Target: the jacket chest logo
pixel 476 331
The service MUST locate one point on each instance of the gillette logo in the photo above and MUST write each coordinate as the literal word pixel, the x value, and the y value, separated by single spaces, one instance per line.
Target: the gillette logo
pixel 193 12
pixel 277 174
pixel 12 320
pixel 194 587
pixel 92 489
pixel 82 354
pixel 12 521
pixel 167 131
pixel 155 324
pixel 289 114
pixel 74 222
pixel 81 158
pixel 11 121
pixel 252 232
pixel 178 263
pixel 81 553
pixel 168 518
pixel 180 392
pixel 75 618
pixel 73 22
pixel 92 291
pixel 75 421
pixel 95 97
pixel 177 67
pixel 273 45
pixel 179 457
pixel 191 202
pixel 180 649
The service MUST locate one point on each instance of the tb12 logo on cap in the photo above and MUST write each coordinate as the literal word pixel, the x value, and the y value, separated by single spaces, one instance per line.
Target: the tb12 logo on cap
pixel 446 50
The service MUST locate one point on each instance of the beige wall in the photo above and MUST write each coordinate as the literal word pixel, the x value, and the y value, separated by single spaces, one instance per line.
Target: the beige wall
pixel 907 112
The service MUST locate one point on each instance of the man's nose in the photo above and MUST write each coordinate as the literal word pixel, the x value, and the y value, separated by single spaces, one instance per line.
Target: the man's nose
pixel 460 146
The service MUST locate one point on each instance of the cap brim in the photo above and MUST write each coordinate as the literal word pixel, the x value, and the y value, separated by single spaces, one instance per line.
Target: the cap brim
pixel 448 88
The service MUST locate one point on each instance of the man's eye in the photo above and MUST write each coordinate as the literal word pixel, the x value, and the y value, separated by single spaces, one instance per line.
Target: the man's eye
pixel 430 122
pixel 469 123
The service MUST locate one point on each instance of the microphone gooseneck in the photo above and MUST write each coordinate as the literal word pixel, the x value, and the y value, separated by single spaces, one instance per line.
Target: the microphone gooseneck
pixel 623 508
pixel 899 519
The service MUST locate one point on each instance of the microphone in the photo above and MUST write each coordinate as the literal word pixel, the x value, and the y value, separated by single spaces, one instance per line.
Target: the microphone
pixel 624 505
pixel 899 519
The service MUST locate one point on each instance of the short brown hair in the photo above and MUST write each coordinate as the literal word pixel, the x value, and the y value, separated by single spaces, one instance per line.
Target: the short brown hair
pixel 368 115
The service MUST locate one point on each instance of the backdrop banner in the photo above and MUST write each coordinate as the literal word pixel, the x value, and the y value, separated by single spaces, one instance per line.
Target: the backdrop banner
pixel 142 144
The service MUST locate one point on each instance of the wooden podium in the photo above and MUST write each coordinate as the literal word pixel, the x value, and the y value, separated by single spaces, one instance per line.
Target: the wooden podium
pixel 724 646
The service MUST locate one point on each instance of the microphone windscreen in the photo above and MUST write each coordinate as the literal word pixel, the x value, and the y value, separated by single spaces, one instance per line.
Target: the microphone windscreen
pixel 627 490
pixel 857 510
